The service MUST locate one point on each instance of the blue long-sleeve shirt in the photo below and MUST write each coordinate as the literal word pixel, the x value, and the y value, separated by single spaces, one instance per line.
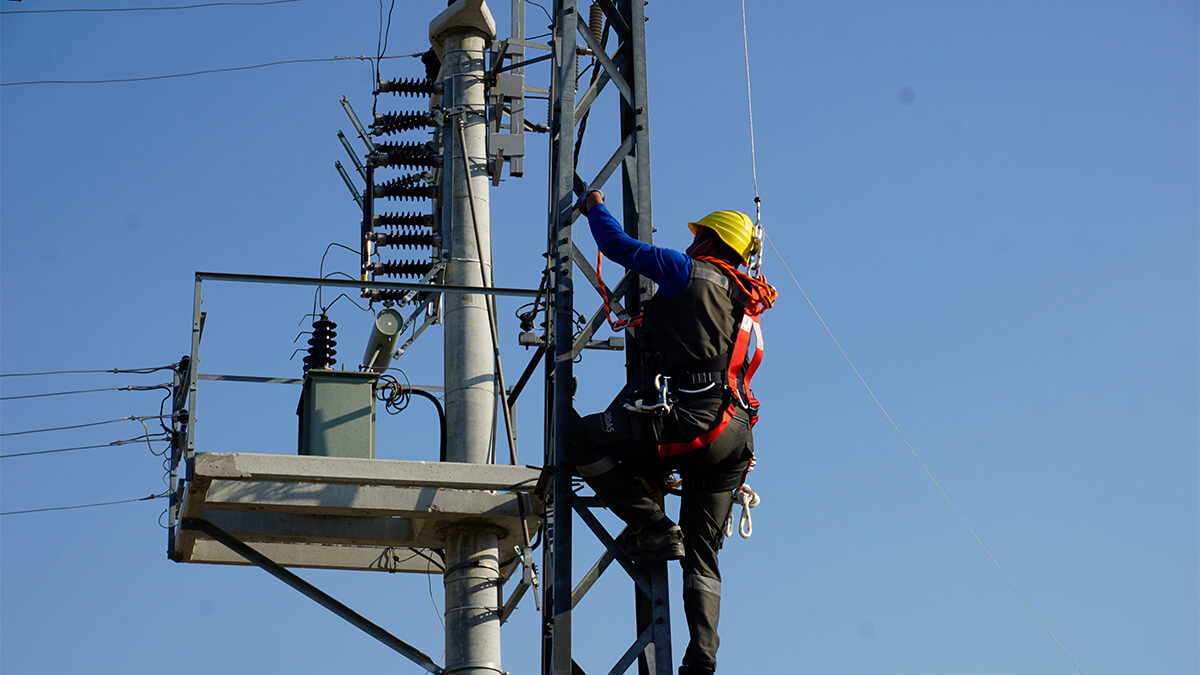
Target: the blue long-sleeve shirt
pixel 668 268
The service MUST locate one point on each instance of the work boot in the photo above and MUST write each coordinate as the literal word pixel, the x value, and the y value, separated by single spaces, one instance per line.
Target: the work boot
pixel 695 670
pixel 657 542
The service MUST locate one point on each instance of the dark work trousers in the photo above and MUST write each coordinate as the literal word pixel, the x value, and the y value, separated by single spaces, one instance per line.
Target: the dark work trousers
pixel 613 449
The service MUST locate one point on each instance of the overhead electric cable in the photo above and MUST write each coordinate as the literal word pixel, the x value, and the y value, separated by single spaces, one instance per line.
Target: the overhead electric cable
pixel 206 71
pixel 87 391
pixel 86 506
pixel 89 424
pixel 133 371
pixel 146 9
pixel 139 439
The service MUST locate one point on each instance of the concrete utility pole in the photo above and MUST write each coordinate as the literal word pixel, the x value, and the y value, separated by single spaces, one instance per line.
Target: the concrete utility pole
pixel 472 577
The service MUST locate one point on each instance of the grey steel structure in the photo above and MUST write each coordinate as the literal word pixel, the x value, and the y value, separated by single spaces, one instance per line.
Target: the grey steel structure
pixel 279 511
pixel 624 69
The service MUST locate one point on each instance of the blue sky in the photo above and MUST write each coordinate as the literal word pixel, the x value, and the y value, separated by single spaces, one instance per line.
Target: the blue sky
pixel 994 207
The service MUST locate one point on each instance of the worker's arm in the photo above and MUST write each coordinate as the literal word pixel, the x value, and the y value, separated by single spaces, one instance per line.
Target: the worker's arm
pixel 669 268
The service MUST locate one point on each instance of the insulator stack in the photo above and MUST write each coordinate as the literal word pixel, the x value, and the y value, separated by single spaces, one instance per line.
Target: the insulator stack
pixel 404 87
pixel 394 296
pixel 387 124
pixel 407 239
pixel 404 187
pixel 402 268
pixel 596 22
pixel 413 154
pixel 420 161
pixel 321 345
pixel 397 220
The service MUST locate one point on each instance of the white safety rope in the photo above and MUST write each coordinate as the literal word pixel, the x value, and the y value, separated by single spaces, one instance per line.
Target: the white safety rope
pixel 756 265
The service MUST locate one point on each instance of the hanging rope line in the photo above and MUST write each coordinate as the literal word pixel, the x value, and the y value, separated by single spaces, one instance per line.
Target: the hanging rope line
pixel 756 266
pixel 750 107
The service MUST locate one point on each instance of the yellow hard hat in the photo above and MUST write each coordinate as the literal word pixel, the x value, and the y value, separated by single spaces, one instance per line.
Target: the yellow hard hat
pixel 734 228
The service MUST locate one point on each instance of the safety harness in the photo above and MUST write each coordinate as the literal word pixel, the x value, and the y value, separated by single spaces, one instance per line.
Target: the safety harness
pixel 743 363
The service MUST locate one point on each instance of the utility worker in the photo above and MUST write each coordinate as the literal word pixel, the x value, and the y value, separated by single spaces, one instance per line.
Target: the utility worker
pixel 696 338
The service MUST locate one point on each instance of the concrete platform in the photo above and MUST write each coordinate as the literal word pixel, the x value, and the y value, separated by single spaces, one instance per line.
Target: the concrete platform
pixel 353 514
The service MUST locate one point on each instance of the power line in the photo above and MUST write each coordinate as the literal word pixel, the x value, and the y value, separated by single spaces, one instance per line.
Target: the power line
pixel 134 371
pixel 87 391
pixel 138 418
pixel 140 439
pixel 206 71
pixel 85 506
pixel 146 9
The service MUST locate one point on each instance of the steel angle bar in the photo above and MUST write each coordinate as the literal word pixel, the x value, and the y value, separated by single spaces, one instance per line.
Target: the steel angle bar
pixel 592 502
pixel 631 161
pixel 621 155
pixel 589 329
pixel 253 379
pixel 593 523
pixel 639 645
pixel 522 64
pixel 372 285
pixel 189 447
pixel 609 67
pixel 584 103
pixel 317 595
pixel 513 600
pixel 430 320
pixel 528 44
pixel 556 556
pixel 592 576
pixel 538 356
pixel 619 290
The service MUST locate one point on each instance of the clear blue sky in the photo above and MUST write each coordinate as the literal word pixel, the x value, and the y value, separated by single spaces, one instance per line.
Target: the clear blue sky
pixel 993 206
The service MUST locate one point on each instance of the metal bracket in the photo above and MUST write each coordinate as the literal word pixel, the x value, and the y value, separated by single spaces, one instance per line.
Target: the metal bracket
pixel 320 597
pixel 528 579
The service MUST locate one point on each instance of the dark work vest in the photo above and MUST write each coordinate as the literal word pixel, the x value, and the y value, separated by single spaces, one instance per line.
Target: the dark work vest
pixel 691 335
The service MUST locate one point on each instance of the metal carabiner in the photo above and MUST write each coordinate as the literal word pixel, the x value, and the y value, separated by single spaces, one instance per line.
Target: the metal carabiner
pixel 660 407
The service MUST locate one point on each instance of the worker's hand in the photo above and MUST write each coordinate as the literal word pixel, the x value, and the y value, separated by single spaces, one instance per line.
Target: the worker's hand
pixel 590 199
